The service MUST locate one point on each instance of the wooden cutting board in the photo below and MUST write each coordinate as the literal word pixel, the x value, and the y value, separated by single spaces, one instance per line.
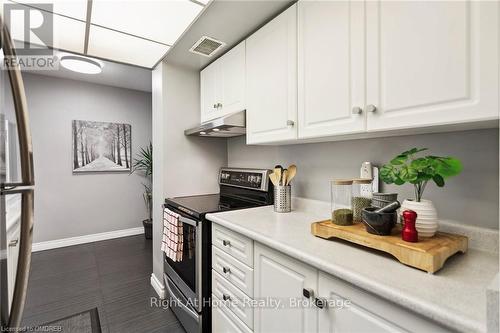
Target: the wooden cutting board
pixel 428 254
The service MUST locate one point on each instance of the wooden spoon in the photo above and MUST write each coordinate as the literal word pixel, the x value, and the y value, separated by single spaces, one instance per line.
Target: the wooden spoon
pixel 292 171
pixel 285 177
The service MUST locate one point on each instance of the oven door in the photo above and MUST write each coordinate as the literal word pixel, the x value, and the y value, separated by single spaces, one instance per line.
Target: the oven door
pixel 186 273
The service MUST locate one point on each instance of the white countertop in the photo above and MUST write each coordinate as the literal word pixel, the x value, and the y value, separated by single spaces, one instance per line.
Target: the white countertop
pixel 454 296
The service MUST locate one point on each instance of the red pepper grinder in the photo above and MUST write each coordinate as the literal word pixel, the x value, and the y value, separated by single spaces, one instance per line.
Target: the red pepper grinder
pixel 409 232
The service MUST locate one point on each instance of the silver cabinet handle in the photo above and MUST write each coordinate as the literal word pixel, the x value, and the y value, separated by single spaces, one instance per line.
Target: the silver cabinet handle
pixel 308 293
pixel 320 302
pixel 13 242
pixel 290 123
pixel 226 243
pixel 226 297
pixel 357 110
pixel 371 108
pixel 215 105
pixel 226 270
pixel 219 105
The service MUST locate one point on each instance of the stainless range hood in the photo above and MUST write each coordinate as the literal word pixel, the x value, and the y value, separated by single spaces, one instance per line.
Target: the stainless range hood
pixel 224 127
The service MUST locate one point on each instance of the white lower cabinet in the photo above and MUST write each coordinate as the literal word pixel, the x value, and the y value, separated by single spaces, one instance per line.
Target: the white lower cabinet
pixel 353 310
pixel 282 279
pixel 291 296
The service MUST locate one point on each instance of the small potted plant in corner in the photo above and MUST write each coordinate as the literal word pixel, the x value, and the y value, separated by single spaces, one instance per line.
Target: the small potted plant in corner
pixel 407 167
pixel 143 163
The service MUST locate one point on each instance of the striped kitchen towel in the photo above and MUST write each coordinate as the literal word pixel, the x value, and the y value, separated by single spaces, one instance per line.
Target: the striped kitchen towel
pixel 173 239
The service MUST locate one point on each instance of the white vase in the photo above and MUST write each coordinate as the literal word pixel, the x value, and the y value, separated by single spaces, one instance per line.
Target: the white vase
pixel 427 220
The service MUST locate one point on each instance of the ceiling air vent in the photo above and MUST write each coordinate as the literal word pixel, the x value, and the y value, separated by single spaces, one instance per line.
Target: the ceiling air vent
pixel 206 46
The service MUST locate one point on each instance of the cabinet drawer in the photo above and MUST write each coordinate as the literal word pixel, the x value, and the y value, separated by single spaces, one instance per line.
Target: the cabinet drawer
pixel 233 270
pixel 237 301
pixel 224 321
pixel 238 246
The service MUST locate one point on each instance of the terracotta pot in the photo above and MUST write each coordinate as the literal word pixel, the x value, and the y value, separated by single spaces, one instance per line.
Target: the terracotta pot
pixel 427 219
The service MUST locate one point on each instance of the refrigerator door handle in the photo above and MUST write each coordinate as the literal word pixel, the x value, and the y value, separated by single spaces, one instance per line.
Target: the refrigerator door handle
pixel 20 105
pixel 24 261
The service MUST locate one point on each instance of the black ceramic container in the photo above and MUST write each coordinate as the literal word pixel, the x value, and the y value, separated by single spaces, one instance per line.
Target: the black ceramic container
pixel 378 223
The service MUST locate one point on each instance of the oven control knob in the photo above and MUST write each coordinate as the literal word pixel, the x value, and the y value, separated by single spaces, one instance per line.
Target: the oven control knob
pixel 226 242
pixel 226 270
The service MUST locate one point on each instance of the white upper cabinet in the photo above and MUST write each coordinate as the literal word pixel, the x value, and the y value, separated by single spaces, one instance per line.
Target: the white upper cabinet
pixel 271 85
pixel 222 85
pixel 331 68
pixel 431 63
pixel 232 79
pixel 208 90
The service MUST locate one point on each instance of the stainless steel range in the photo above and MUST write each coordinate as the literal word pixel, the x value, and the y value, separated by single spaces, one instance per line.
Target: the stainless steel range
pixel 188 280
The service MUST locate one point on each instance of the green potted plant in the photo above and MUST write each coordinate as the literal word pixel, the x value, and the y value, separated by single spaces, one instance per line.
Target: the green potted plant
pixel 143 163
pixel 408 167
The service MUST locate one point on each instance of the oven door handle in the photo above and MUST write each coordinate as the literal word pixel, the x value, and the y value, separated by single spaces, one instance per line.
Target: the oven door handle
pixel 186 220
pixel 178 301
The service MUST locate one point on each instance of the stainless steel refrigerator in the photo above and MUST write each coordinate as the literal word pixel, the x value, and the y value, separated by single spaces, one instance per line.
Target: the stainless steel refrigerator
pixel 16 190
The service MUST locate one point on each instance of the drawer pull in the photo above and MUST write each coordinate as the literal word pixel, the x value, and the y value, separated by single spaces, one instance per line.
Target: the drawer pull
pixel 308 293
pixel 226 270
pixel 226 243
pixel 226 297
pixel 13 242
pixel 320 302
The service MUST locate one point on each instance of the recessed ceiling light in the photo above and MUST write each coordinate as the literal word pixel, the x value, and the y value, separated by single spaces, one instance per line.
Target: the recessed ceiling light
pixel 203 133
pixel 216 130
pixel 81 64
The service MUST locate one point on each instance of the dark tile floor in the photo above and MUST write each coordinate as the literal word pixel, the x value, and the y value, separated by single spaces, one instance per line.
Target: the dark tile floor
pixel 112 275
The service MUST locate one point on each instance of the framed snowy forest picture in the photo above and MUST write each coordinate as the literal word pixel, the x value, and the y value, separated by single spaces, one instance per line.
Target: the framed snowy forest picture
pixel 101 147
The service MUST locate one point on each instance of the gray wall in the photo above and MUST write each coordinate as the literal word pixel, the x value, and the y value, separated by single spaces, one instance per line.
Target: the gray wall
pixel 68 205
pixel 470 198
pixel 189 165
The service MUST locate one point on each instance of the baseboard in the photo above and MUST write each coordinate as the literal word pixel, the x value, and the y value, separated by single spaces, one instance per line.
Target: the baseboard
pixel 158 286
pixel 54 244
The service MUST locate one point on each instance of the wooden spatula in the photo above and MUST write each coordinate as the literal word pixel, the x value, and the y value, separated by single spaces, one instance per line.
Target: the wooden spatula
pixel 274 179
pixel 277 173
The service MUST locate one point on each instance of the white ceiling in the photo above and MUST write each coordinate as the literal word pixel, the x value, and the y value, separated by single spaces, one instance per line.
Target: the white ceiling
pixel 137 32
pixel 229 21
pixel 113 74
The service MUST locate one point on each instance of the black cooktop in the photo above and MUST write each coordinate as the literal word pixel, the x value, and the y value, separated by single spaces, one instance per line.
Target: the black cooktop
pixel 199 205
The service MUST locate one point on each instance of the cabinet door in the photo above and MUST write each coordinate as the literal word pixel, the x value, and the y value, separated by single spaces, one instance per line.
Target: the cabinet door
pixel 271 58
pixel 352 310
pixel 331 68
pixel 232 80
pixel 281 278
pixel 431 62
pixel 208 92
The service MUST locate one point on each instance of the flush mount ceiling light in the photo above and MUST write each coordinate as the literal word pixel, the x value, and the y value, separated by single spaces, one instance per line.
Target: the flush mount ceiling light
pixel 81 64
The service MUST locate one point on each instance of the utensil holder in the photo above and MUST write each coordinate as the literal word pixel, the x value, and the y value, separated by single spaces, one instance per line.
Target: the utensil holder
pixel 283 199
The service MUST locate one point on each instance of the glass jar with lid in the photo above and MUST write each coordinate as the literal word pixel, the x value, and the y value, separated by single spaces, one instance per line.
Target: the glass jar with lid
pixel 361 196
pixel 341 192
